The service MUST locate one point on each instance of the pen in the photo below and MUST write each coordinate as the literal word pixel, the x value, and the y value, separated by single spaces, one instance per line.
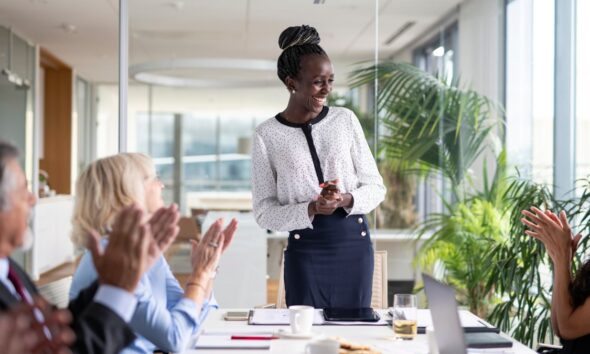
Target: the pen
pixel 254 337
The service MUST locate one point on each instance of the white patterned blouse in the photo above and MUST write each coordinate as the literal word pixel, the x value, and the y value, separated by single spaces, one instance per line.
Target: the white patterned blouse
pixel 285 178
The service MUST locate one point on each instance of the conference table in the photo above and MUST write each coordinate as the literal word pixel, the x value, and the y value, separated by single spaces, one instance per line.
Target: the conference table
pixel 379 338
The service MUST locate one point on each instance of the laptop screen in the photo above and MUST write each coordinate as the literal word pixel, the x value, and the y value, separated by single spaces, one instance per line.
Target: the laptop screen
pixel 445 317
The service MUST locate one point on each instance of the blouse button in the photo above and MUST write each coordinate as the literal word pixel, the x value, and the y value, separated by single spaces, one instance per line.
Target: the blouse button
pixel 360 220
pixel 363 234
pixel 296 236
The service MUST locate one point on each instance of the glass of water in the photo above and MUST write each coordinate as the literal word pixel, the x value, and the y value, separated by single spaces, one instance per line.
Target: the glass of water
pixel 405 316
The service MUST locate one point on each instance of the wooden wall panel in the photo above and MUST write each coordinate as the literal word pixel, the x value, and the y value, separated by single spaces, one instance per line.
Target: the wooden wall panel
pixel 57 126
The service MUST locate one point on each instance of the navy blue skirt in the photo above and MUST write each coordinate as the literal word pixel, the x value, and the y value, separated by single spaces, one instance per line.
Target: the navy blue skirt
pixel 330 265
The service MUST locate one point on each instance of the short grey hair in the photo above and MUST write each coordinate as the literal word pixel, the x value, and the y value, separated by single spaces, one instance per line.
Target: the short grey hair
pixel 7 179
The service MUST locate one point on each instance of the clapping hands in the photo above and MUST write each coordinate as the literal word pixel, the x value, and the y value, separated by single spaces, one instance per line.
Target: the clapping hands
pixel 553 231
pixel 128 253
pixel 207 253
pixel 134 245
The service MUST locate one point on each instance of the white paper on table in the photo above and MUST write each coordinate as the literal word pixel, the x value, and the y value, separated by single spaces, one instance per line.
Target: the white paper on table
pixel 281 317
pixel 381 322
pixel 278 317
pixel 225 342
pixel 249 331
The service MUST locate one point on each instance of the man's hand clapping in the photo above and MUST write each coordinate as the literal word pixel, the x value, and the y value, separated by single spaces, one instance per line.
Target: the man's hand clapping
pixel 127 255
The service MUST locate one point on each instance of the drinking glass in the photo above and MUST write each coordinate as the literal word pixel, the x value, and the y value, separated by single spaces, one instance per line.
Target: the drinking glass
pixel 405 316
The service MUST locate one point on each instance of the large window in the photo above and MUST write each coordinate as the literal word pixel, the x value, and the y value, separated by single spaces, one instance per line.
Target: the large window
pixel 529 87
pixel 437 57
pixel 582 89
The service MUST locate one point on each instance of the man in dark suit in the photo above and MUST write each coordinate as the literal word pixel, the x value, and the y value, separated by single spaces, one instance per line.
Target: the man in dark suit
pixel 101 312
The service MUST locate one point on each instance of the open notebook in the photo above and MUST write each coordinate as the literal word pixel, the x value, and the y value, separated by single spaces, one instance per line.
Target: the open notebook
pixel 224 341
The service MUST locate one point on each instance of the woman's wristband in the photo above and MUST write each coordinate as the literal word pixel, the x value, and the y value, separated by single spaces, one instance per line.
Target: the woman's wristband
pixel 199 278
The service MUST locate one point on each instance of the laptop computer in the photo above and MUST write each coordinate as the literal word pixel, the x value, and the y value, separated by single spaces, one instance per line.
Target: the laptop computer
pixel 449 335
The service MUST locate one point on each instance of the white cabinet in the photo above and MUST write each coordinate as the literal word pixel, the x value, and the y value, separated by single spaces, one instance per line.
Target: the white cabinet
pixel 52 227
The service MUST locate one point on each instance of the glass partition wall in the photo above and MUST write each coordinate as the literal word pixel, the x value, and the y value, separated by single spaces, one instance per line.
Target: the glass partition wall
pixel 530 35
pixel 203 75
pixel 582 90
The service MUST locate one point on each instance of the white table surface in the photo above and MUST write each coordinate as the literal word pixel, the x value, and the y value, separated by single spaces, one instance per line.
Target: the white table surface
pixel 379 337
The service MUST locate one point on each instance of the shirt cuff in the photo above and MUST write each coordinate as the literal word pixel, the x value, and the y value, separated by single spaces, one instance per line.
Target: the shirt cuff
pixel 351 210
pixel 118 300
pixel 210 302
pixel 306 220
pixel 187 305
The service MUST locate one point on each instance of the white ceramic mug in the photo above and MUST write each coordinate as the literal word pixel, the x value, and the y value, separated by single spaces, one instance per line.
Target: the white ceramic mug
pixel 301 319
pixel 323 346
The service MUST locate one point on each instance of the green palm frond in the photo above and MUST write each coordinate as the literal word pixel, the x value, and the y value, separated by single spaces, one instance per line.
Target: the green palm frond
pixel 431 126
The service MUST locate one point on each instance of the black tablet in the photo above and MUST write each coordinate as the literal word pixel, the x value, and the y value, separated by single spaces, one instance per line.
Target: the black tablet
pixel 487 340
pixel 365 314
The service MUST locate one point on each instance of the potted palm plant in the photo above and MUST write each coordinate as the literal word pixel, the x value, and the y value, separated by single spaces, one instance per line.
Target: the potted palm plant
pixel 438 129
pixel 433 128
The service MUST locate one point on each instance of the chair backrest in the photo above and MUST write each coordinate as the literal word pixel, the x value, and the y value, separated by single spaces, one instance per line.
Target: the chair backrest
pixel 281 300
pixel 57 292
pixel 188 229
pixel 379 297
pixel 379 294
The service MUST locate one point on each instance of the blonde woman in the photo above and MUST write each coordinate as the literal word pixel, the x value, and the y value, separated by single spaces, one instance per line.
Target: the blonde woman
pixel 166 317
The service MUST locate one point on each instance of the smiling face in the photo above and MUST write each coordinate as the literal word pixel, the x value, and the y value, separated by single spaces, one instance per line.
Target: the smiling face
pixel 313 83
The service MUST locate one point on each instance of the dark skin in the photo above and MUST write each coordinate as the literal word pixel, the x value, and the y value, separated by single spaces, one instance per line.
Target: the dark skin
pixel 308 94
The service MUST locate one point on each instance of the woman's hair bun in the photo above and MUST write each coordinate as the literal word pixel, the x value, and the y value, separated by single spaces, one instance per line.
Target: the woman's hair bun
pixel 298 35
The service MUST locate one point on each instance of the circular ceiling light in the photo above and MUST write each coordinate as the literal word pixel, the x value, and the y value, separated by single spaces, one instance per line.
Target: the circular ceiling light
pixel 147 72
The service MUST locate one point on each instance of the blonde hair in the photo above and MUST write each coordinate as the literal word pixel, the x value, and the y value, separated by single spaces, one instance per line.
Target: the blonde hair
pixel 105 187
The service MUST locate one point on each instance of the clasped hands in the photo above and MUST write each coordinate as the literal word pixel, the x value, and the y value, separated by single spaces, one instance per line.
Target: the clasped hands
pixel 329 199
pixel 553 231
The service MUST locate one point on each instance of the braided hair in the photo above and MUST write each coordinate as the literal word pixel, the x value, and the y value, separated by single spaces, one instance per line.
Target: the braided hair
pixel 296 42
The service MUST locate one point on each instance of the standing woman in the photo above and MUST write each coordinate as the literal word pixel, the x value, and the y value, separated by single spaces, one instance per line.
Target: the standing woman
pixel 329 257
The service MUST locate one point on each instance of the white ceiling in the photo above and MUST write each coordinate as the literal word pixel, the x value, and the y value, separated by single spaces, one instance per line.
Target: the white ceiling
pixel 244 29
